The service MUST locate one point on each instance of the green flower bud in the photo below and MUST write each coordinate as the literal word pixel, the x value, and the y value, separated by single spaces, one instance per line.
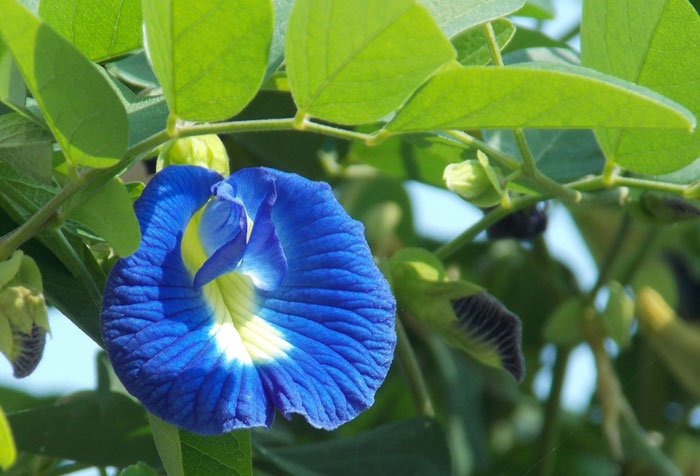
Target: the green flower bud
pixel 206 151
pixel 470 181
pixel 23 314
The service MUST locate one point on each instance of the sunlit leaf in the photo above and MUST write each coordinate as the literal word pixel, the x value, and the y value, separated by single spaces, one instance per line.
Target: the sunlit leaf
pixel 472 45
pixel 100 30
pixel 8 452
pixel 81 108
pixel 186 454
pixel 210 56
pixel 355 62
pixel 455 16
pixel 540 9
pixel 535 95
pixel 659 49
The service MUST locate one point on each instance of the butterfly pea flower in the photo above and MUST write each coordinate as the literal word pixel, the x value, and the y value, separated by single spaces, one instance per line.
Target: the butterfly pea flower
pixel 247 294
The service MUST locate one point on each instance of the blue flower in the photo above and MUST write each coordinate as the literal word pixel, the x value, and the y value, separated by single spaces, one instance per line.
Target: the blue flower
pixel 247 294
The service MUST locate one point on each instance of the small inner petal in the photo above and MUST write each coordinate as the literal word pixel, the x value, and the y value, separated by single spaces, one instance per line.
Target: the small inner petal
pixel 238 331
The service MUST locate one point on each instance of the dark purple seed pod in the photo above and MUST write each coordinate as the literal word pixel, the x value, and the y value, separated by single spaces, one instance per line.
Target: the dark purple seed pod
pixel 525 224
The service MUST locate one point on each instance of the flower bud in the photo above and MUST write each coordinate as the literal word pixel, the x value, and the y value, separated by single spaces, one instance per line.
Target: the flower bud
pixel 206 151
pixel 23 314
pixel 470 181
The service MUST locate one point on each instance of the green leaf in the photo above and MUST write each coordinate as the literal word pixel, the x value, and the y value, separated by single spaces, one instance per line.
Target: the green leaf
pixel 8 452
pixel 109 214
pixel 13 91
pixel 410 157
pixel 659 49
pixel 415 446
pixel 104 429
pixel 146 115
pixel 540 9
pixel 209 56
pixel 355 62
pixel 26 147
pixel 134 70
pixel 100 30
pixel 527 38
pixel 282 10
pixel 79 105
pixel 563 155
pixel 563 326
pixel 184 453
pixel 535 95
pixel 139 469
pixel 472 45
pixel 455 16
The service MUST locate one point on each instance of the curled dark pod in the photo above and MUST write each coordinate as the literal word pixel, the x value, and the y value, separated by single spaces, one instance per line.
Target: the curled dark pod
pixel 524 224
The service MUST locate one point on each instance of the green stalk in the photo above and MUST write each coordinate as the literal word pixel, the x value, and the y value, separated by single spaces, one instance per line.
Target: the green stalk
pixel 412 371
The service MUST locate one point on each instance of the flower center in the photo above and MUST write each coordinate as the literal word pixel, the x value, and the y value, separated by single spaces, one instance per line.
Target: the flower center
pixel 239 332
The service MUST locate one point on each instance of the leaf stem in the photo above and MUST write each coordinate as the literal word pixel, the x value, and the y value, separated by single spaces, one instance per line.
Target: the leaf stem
pixel 450 248
pixel 505 160
pixel 412 371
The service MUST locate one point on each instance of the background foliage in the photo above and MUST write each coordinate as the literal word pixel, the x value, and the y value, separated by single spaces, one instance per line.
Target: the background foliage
pixel 368 95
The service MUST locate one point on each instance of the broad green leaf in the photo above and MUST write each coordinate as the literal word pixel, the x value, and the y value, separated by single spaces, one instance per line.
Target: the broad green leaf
pixel 104 429
pixel 8 452
pixel 13 91
pixel 282 10
pixel 540 9
pixel 210 56
pixel 659 49
pixel 535 95
pixel 79 105
pixel 455 16
pixel 100 30
pixel 563 155
pixel 26 147
pixel 355 62
pixel 139 469
pixel 187 454
pixel 472 45
pixel 109 214
pixel 415 446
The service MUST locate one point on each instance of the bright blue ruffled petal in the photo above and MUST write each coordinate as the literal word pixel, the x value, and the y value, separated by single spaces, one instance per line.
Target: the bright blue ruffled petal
pixel 334 308
pixel 319 338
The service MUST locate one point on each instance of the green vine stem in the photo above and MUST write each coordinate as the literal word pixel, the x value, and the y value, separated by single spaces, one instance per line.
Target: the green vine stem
pixel 411 369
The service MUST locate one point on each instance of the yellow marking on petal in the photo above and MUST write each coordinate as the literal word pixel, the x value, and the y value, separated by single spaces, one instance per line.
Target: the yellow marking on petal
pixel 239 332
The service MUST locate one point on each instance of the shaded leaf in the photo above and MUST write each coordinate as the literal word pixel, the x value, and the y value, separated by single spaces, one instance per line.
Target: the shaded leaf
pixel 79 105
pixel 69 428
pixel 13 91
pixel 100 30
pixel 355 62
pixel 563 326
pixel 659 49
pixel 26 147
pixel 540 9
pixel 455 16
pixel 472 45
pixel 415 446
pixel 134 70
pixel 535 95
pixel 282 10
pixel 618 315
pixel 209 56
pixel 139 469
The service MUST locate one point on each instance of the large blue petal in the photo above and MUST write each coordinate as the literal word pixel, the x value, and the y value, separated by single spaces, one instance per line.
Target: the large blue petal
pixel 157 327
pixel 333 307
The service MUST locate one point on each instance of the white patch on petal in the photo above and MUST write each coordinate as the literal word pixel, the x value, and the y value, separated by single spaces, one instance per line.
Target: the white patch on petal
pixel 239 333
